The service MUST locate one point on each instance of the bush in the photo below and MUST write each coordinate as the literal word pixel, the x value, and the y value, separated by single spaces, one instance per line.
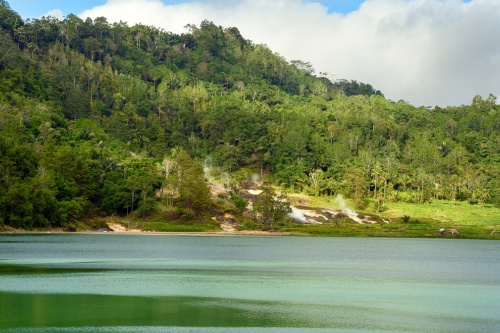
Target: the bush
pixel 71 228
pixel 185 213
pixel 224 205
pixel 240 203
pixel 96 224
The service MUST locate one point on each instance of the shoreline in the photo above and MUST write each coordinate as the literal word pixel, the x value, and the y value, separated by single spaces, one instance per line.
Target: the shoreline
pixel 243 233
pixel 156 233
pixel 119 229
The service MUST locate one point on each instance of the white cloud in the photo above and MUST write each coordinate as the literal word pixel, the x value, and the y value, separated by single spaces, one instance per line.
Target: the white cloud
pixel 427 52
pixel 57 13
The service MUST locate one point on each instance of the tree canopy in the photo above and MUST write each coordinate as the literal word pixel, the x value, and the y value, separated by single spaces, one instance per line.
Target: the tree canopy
pixel 90 111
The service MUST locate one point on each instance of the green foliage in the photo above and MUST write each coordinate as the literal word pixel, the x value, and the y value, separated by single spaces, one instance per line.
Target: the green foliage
pixel 240 203
pixel 177 226
pixel 9 20
pixel 193 190
pixel 271 207
pixel 351 88
pixel 89 111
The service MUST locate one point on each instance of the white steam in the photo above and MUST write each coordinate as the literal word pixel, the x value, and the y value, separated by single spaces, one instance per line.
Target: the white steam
pixel 343 206
pixel 297 215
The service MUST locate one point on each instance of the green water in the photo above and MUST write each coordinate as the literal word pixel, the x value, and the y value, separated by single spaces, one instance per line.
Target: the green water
pixel 138 283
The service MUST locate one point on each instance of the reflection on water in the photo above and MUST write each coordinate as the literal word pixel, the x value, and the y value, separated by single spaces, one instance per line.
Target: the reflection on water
pixel 125 283
pixel 172 329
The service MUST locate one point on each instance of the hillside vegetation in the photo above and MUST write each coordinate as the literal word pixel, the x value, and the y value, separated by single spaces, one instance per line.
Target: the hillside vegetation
pixel 100 119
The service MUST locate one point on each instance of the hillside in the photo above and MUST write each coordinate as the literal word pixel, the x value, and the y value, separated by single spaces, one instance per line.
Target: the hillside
pixel 100 119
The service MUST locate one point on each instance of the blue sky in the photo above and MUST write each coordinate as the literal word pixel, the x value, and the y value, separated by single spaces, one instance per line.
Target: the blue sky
pixel 37 8
pixel 426 52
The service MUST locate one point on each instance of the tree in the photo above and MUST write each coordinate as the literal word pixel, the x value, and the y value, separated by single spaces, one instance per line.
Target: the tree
pixel 133 184
pixel 70 30
pixel 114 196
pixel 357 186
pixel 271 207
pixel 9 19
pixel 351 88
pixel 422 180
pixel 76 104
pixel 212 94
pixel 91 47
pixel 20 208
pixel 147 184
pixel 317 179
pixel 8 50
pixel 193 190
pixel 240 203
pixel 168 165
pixel 378 176
pixel 303 66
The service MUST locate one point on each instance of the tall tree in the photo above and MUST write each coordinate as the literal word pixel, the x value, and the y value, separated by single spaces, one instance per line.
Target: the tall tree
pixel 193 189
pixel 270 206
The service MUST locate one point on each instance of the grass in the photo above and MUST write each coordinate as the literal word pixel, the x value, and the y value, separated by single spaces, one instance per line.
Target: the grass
pixel 422 220
pixel 406 220
pixel 176 226
pixel 167 219
pixel 420 229
pixel 450 214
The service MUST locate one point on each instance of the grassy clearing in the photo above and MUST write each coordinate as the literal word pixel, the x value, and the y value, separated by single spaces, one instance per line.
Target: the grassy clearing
pixel 448 213
pixel 427 229
pixel 168 219
pixel 459 213
pixel 176 226
pixel 160 224
pixel 425 220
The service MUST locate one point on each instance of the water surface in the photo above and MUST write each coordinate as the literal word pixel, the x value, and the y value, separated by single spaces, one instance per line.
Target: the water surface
pixel 139 283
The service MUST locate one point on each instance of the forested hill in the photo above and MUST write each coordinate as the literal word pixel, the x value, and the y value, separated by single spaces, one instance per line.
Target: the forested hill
pixel 95 118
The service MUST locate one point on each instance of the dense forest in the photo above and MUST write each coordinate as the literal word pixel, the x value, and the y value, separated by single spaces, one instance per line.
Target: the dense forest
pixel 99 119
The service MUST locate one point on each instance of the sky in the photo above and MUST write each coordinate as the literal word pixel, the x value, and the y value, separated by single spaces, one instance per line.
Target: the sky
pixel 425 52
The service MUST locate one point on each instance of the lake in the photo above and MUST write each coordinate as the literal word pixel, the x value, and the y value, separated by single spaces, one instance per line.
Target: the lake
pixel 158 283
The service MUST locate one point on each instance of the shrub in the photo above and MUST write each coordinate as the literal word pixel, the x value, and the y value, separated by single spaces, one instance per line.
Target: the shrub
pixel 240 203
